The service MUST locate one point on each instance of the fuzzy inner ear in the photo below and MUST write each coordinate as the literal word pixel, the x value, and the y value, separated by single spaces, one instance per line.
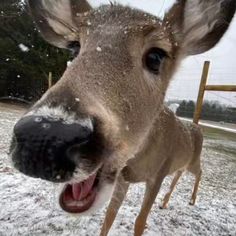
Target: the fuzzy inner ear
pixel 198 25
pixel 55 19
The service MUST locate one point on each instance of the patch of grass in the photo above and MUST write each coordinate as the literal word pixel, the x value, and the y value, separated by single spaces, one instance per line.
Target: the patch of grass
pixel 217 134
pixel 221 141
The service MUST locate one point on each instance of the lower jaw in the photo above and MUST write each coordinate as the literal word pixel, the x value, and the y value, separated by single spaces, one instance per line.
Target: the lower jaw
pixel 77 207
pixel 92 200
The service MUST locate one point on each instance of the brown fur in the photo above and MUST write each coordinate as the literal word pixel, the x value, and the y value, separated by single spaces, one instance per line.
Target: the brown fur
pixel 114 86
pixel 171 146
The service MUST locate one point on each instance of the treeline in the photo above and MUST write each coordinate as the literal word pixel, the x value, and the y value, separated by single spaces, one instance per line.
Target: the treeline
pixel 25 58
pixel 210 111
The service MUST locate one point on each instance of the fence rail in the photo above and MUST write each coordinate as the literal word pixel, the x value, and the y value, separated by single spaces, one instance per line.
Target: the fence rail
pixel 204 87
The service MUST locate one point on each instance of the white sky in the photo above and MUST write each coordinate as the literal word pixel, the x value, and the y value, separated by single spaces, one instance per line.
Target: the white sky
pixel 223 71
pixel 186 82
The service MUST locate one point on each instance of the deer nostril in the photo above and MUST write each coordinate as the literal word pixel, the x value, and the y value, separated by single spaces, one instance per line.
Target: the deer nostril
pixel 38 119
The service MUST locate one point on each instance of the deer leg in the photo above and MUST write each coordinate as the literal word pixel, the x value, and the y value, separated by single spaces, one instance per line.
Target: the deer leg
pixel 173 184
pixel 151 192
pixel 195 189
pixel 118 196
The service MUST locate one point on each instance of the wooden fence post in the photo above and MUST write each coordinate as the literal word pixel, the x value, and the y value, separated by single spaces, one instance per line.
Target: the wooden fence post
pixel 201 92
pixel 49 80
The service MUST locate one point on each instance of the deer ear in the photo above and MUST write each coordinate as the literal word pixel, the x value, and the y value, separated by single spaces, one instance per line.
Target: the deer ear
pixel 198 25
pixel 55 19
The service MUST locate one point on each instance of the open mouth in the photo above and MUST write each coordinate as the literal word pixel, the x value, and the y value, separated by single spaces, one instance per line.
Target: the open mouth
pixel 79 197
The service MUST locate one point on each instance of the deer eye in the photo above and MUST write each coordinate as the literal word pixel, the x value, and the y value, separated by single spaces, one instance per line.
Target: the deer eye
pixel 153 59
pixel 74 47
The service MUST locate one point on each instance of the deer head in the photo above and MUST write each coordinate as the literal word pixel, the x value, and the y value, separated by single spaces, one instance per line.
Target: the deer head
pixel 99 114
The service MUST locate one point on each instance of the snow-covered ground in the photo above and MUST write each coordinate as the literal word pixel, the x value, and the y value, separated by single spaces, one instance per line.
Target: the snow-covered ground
pixel 29 206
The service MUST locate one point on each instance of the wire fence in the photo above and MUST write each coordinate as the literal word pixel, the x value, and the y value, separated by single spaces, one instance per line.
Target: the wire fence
pixel 185 85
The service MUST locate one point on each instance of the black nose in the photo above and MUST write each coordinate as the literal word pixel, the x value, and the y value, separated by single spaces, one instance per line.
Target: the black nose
pixel 41 145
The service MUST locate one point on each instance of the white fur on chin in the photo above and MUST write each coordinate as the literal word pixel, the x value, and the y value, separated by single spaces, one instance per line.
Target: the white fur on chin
pixel 103 196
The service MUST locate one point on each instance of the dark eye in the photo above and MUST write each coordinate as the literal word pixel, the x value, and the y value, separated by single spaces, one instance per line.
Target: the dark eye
pixel 153 59
pixel 74 47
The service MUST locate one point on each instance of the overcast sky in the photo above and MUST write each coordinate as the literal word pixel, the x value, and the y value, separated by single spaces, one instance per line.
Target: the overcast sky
pixel 186 82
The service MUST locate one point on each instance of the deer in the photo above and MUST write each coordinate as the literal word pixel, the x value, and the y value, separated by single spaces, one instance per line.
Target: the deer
pixel 104 125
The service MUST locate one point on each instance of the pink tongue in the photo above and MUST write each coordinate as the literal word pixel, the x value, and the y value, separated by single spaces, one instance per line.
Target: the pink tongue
pixel 81 190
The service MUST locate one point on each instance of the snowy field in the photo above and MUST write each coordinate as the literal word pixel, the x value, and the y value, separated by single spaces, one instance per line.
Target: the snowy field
pixel 29 206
